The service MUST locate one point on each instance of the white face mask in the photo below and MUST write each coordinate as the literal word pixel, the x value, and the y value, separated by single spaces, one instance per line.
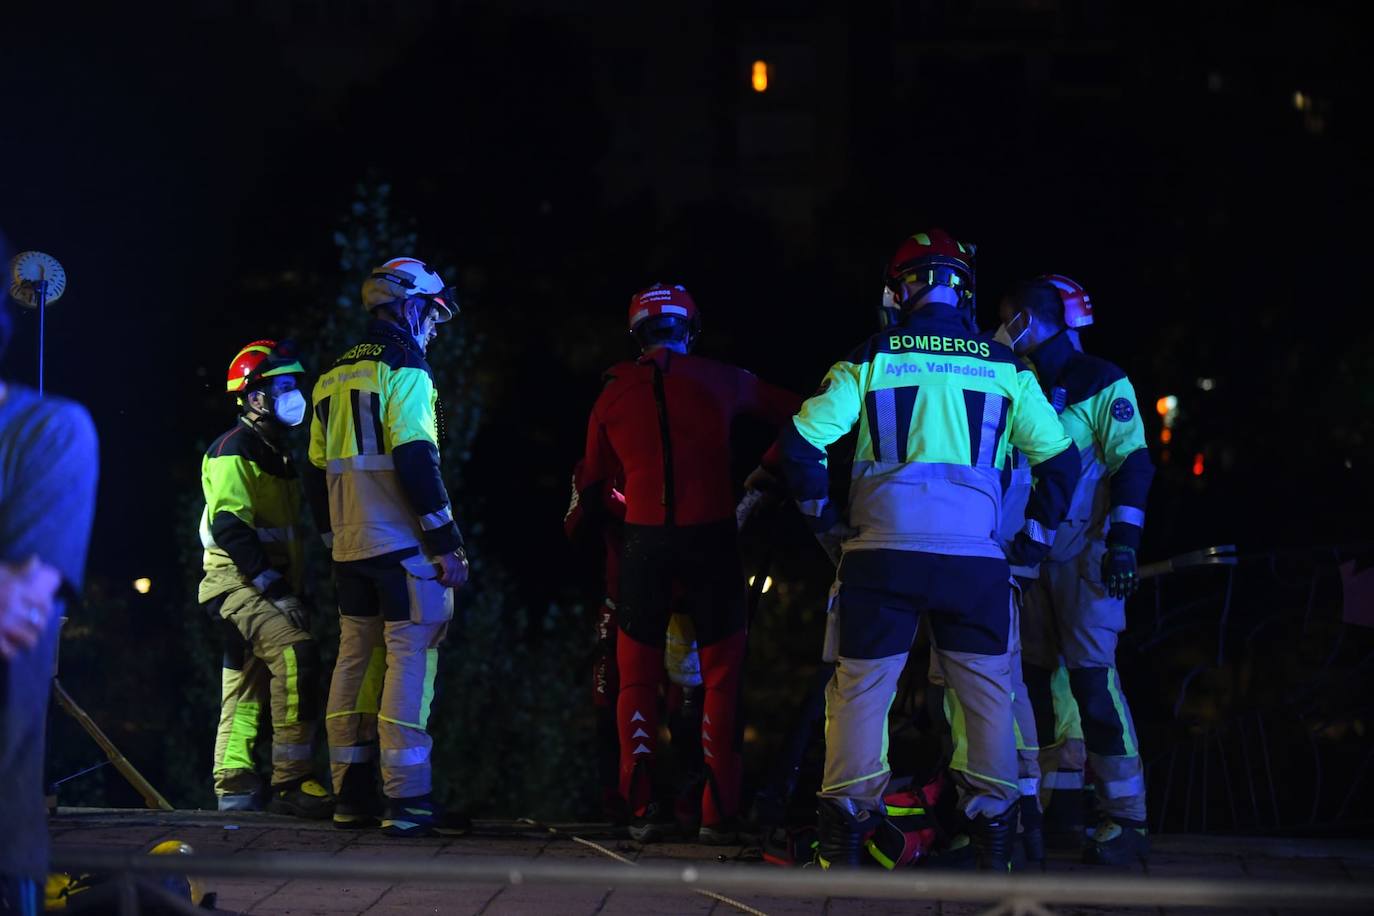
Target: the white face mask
pixel 289 408
pixel 1003 335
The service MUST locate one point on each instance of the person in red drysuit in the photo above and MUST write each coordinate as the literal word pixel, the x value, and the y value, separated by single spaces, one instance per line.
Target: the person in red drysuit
pixel 663 422
pixel 683 667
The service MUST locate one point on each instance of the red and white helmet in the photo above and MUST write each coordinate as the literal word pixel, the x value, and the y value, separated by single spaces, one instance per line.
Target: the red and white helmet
pixel 1078 308
pixel 403 278
pixel 932 258
pixel 261 360
pixel 662 300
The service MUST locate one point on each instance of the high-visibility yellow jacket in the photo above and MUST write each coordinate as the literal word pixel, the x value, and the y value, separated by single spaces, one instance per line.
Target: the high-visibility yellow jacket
pixel 250 526
pixel 1103 419
pixel 374 436
pixel 937 410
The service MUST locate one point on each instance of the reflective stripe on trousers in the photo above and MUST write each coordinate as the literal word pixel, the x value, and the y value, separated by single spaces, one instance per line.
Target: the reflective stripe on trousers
pixel 267 681
pixel 383 689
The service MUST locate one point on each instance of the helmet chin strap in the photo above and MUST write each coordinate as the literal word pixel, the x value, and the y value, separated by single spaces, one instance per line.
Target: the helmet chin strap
pixel 264 420
pixel 412 319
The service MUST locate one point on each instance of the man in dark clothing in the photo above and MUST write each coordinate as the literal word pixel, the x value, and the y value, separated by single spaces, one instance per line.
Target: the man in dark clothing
pixel 663 421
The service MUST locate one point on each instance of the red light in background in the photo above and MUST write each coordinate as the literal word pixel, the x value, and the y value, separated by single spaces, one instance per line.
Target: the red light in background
pixel 1198 465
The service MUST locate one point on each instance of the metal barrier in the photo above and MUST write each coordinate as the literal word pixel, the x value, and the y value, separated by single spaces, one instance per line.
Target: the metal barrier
pixel 1266 731
pixel 1009 894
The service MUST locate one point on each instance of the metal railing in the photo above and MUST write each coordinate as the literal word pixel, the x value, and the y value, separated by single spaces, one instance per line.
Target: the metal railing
pixel 1007 893
pixel 1255 754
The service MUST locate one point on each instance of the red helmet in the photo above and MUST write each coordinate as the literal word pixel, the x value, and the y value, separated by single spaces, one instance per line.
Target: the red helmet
pixel 1078 308
pixel 262 359
pixel 662 300
pixel 934 258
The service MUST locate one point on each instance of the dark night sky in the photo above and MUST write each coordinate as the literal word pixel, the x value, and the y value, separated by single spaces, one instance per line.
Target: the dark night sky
pixel 188 171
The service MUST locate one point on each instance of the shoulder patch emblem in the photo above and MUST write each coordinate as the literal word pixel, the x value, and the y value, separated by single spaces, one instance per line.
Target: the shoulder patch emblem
pixel 1122 410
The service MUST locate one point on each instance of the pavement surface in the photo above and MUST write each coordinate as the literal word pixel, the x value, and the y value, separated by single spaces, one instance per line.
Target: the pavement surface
pixel 1317 862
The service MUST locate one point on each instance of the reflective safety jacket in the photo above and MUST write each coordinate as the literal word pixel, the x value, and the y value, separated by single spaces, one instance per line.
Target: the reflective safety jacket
pixel 249 528
pixel 937 411
pixel 664 421
pixel 374 483
pixel 1103 420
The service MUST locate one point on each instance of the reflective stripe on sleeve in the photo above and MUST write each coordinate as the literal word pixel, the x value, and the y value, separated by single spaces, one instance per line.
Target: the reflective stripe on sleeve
pixel 1129 515
pixel 437 519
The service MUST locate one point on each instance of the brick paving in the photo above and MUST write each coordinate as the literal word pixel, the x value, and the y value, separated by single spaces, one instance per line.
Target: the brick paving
pixel 212 833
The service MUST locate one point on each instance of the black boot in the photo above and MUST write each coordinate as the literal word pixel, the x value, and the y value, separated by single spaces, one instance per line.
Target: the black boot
pixel 842 827
pixel 992 839
pixel 358 805
pixel 1031 829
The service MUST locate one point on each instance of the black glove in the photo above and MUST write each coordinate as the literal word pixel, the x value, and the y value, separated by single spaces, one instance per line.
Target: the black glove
pixel 1026 551
pixel 820 524
pixel 294 610
pixel 1118 571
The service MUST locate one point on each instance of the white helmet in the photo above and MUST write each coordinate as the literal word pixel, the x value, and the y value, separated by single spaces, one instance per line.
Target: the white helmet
pixel 403 278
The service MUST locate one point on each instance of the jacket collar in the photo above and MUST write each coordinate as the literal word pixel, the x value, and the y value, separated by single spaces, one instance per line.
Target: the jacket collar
pixel 1051 357
pixel 944 317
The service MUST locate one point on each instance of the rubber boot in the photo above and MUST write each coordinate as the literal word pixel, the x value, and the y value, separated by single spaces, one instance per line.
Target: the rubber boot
pixel 842 828
pixel 1032 832
pixel 992 837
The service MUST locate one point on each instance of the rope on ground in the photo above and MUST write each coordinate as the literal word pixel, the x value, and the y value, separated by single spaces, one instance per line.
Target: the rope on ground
pixel 688 874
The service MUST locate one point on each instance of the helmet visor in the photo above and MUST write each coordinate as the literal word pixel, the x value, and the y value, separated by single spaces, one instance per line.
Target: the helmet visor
pixel 444 303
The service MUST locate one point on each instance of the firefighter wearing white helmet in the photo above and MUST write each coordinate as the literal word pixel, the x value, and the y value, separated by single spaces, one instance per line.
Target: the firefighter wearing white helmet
pixel 377 494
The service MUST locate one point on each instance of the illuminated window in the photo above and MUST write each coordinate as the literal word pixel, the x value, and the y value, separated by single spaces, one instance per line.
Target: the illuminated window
pixel 761 75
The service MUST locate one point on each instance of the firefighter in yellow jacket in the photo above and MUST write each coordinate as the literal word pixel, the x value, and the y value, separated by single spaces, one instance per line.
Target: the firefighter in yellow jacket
pixel 377 495
pixel 252 581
